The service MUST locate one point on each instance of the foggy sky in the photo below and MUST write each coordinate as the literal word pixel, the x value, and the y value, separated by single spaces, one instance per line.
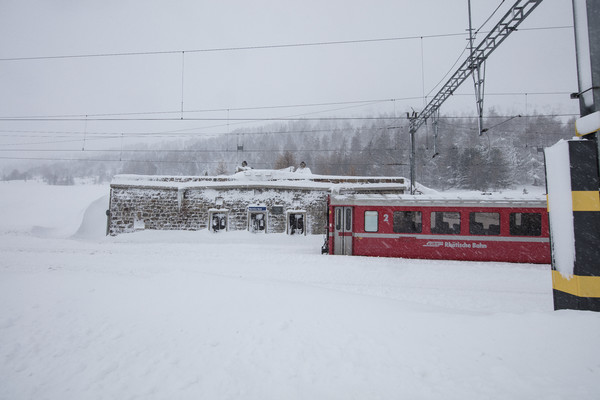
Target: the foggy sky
pixel 530 61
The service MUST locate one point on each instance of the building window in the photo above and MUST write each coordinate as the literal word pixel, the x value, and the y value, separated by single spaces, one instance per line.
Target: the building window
pixel 484 223
pixel 407 222
pixel 445 222
pixel 526 224
pixel 371 221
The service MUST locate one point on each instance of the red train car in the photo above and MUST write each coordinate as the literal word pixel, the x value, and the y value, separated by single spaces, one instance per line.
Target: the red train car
pixel 469 229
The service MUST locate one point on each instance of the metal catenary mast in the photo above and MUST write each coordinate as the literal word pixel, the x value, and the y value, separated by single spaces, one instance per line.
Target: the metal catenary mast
pixel 474 64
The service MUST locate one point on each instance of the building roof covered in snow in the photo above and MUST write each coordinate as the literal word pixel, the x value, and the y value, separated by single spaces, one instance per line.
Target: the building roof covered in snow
pixel 265 178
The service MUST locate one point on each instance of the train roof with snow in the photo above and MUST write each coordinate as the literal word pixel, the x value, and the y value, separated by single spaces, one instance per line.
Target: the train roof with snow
pixel 441 199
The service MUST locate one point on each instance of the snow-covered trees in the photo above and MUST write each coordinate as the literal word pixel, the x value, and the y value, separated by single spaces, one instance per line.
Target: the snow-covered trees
pixel 508 153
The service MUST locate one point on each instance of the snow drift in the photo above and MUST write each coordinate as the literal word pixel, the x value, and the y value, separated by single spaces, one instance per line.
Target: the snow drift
pixel 188 315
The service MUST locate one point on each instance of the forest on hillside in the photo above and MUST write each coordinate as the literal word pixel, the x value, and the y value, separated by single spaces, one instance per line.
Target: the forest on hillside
pixel 449 154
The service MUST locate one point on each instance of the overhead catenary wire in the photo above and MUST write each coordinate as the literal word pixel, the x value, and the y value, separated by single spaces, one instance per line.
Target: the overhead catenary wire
pixel 114 134
pixel 271 107
pixel 209 110
pixel 122 160
pixel 185 162
pixel 489 18
pixel 255 133
pixel 227 150
pixel 73 136
pixel 275 119
pixel 252 47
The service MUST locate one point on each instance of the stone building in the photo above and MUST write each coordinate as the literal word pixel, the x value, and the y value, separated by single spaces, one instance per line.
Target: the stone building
pixel 264 201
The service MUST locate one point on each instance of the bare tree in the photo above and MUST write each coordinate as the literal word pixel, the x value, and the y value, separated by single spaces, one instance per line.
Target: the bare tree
pixel 221 168
pixel 285 160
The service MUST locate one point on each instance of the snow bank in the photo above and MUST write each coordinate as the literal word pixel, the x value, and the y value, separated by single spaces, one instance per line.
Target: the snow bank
pixel 94 219
pixel 198 315
pixel 46 210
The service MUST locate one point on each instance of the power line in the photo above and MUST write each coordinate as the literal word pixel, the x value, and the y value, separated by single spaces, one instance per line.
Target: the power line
pixel 248 119
pixel 255 47
pixel 207 110
pixel 490 17
pixel 180 151
pixel 219 152
pixel 166 161
pixel 222 49
pixel 119 135
pixel 271 107
pixel 194 119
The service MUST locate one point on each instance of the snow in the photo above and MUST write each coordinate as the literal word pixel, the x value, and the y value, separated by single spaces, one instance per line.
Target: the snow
pixel 263 177
pixel 560 204
pixel 531 197
pixel 588 124
pixel 188 315
pixel 304 170
pixel 56 211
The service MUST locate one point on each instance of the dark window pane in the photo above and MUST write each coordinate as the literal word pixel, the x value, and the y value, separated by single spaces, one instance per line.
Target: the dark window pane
pixel 445 222
pixel 348 219
pixel 526 224
pixel 484 223
pixel 407 222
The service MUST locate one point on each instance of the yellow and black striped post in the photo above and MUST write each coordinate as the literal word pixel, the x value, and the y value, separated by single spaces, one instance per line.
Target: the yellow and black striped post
pixel 581 290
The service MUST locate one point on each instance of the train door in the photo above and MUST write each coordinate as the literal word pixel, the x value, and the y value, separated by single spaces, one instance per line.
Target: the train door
pixel 342 232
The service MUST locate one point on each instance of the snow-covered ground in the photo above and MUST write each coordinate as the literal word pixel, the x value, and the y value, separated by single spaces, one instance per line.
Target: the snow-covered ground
pixel 195 315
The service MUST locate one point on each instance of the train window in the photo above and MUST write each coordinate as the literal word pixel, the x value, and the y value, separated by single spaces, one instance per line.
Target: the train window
pixel 338 219
pixel 371 221
pixel 484 223
pixel 526 224
pixel 407 222
pixel 348 220
pixel 445 222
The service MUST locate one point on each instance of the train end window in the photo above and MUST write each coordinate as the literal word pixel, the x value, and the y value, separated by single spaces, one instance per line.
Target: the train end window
pixel 407 222
pixel 445 222
pixel 484 223
pixel 525 224
pixel 371 221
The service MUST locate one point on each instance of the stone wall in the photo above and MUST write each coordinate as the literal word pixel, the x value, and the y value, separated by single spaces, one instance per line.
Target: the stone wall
pixel 185 203
pixel 134 207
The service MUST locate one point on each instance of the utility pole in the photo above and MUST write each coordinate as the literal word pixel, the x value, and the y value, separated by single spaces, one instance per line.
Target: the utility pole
pixel 412 130
pixel 477 67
